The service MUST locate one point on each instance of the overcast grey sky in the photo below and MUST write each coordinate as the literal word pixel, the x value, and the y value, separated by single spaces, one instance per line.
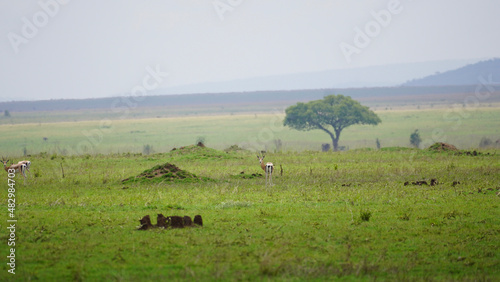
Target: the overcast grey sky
pixel 52 49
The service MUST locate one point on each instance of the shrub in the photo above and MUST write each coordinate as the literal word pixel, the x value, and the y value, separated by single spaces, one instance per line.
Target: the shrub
pixel 365 215
pixel 485 142
pixel 200 140
pixel 325 147
pixel 147 149
pixel 415 139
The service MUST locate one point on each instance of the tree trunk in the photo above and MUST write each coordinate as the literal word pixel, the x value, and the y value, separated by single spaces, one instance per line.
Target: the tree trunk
pixel 335 140
pixel 334 136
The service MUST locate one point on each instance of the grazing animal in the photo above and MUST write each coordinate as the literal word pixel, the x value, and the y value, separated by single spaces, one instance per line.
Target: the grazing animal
pixel 16 167
pixel 27 163
pixel 268 169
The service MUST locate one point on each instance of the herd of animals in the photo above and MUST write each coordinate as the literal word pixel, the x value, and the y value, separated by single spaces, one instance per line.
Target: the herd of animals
pixel 24 166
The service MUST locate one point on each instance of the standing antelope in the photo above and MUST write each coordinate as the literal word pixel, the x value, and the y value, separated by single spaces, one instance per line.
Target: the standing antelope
pixel 268 168
pixel 27 163
pixel 16 167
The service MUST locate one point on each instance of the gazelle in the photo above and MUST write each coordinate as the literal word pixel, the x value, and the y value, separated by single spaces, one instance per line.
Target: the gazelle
pixel 16 167
pixel 27 163
pixel 268 168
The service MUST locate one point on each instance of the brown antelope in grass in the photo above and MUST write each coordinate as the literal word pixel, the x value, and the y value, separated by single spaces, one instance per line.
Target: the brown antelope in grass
pixel 27 163
pixel 14 168
pixel 268 169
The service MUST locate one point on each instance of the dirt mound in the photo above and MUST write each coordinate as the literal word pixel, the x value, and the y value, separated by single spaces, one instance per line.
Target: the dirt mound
pixel 170 222
pixel 247 176
pixel 162 173
pixel 422 182
pixel 472 153
pixel 442 147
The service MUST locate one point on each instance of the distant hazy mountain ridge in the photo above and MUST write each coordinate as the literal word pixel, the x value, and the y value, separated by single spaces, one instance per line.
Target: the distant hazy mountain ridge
pixel 282 90
pixel 467 75
pixel 374 76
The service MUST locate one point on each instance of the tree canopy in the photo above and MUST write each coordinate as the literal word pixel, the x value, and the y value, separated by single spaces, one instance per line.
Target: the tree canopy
pixel 331 114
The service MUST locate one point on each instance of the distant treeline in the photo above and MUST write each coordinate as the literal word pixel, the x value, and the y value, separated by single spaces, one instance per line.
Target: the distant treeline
pixel 221 99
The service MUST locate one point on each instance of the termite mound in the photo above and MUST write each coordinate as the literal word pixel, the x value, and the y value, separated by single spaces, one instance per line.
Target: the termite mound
pixel 164 173
pixel 173 221
pixel 442 147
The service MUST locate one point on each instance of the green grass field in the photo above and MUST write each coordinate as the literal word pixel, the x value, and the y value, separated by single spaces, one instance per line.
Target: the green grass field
pixel 258 132
pixel 336 215
pixel 344 215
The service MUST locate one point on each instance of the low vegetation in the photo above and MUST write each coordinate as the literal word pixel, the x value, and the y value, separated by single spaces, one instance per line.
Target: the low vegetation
pixel 343 215
pixel 464 129
pixel 377 211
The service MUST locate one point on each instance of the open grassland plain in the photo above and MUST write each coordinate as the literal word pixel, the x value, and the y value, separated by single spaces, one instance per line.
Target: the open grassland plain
pixel 336 215
pixel 462 128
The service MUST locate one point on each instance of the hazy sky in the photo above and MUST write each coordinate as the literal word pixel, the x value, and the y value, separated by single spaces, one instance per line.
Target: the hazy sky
pixel 52 49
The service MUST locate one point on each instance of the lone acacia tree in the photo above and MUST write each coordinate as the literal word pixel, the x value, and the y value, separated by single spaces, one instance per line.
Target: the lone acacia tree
pixel 331 114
